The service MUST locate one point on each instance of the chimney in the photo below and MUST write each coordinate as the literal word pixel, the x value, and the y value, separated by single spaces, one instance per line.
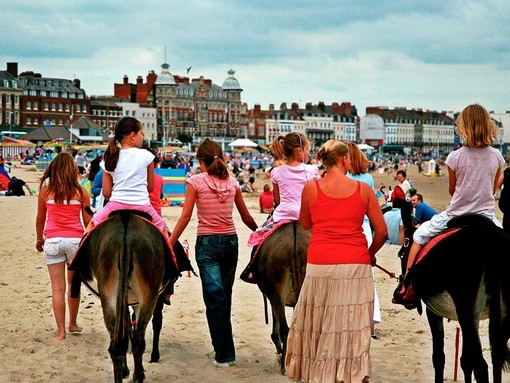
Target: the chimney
pixel 372 110
pixel 139 80
pixel 77 83
pixel 126 79
pixel 12 68
pixel 295 106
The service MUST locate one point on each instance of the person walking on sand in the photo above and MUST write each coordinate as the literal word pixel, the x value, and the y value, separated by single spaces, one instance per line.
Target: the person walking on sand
pixel 155 197
pixel 288 181
pixel 470 194
pixel 359 171
pixel 61 208
pixel 330 331
pixel 217 248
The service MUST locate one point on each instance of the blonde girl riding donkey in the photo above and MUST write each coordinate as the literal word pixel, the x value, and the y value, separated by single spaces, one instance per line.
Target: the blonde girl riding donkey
pixel 288 182
pixel 473 172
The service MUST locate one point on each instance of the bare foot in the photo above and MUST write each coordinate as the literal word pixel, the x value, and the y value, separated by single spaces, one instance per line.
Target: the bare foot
pixel 60 336
pixel 75 328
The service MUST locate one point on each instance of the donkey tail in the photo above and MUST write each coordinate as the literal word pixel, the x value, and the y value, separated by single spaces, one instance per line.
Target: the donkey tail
pixel 125 267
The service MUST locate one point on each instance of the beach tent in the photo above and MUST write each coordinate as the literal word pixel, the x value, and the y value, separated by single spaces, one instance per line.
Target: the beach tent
pixel 174 184
pixel 15 146
pixel 50 133
pixel 365 147
pixel 242 142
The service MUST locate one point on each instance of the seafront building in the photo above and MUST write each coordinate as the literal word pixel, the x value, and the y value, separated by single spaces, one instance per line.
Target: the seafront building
pixel 173 106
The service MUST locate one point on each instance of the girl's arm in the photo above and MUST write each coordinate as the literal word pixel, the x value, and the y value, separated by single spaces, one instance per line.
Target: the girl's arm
pixel 150 177
pixel 187 211
pixel 497 185
pixel 243 210
pixel 107 185
pixel 276 193
pixel 308 197
pixel 85 202
pixel 500 180
pixel 452 180
pixel 376 218
pixel 40 219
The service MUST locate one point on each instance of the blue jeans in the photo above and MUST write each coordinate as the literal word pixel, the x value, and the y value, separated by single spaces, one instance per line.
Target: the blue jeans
pixel 216 257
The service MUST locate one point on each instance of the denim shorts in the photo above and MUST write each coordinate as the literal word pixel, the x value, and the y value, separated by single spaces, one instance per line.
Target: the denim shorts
pixel 60 249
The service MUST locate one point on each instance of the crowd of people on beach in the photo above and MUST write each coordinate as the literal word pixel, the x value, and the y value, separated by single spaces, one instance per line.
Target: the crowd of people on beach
pixel 332 194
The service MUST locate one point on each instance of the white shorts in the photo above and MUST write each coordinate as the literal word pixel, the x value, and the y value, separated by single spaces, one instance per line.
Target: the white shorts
pixel 59 249
pixel 436 225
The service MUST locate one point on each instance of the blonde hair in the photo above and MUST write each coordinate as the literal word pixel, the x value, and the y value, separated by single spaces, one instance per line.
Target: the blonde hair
pixel 331 151
pixel 475 127
pixel 283 147
pixel 359 162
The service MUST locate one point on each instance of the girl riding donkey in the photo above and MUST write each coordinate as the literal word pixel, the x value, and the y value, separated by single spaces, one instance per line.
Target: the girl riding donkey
pixel 128 175
pixel 288 182
pixel 473 171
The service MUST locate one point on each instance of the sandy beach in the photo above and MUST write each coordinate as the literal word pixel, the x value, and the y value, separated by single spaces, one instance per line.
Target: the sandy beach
pixel 29 354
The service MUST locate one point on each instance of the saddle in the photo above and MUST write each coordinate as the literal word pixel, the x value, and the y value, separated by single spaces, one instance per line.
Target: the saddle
pixel 81 263
pixel 405 293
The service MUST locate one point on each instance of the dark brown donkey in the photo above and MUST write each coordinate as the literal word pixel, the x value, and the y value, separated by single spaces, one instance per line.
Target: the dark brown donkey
pixel 127 258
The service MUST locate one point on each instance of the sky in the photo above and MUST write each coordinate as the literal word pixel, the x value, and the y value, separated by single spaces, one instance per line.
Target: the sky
pixel 434 54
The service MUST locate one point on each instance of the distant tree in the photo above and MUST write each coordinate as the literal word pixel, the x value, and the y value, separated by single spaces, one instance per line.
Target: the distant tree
pixel 185 138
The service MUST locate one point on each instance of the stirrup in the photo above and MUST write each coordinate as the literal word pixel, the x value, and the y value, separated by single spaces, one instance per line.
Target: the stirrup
pixel 245 276
pixel 406 297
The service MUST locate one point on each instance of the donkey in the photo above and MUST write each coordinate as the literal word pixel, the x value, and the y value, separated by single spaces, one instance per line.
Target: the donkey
pixel 464 277
pixel 280 269
pixel 128 259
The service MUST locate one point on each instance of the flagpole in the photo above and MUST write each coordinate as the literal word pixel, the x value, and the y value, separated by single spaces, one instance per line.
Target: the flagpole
pixel 71 125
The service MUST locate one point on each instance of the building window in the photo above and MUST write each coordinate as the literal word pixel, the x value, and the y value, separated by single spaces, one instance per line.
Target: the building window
pixel 45 106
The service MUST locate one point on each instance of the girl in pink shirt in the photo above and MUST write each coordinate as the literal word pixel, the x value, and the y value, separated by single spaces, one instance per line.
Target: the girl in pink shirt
pixel 217 247
pixel 61 209
pixel 289 178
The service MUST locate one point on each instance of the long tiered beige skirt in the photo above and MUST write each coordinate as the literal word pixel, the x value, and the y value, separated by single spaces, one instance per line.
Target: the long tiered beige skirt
pixel 330 332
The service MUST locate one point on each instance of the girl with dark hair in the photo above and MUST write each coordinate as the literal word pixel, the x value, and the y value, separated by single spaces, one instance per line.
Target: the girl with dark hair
pixel 61 208
pixel 128 174
pixel 289 175
pixel 216 249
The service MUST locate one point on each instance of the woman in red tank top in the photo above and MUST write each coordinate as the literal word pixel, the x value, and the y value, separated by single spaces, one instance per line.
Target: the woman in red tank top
pixel 338 286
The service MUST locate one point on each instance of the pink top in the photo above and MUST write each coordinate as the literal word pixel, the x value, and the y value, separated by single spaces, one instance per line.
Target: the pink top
pixel 475 170
pixel 63 220
pixel 291 181
pixel 215 203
